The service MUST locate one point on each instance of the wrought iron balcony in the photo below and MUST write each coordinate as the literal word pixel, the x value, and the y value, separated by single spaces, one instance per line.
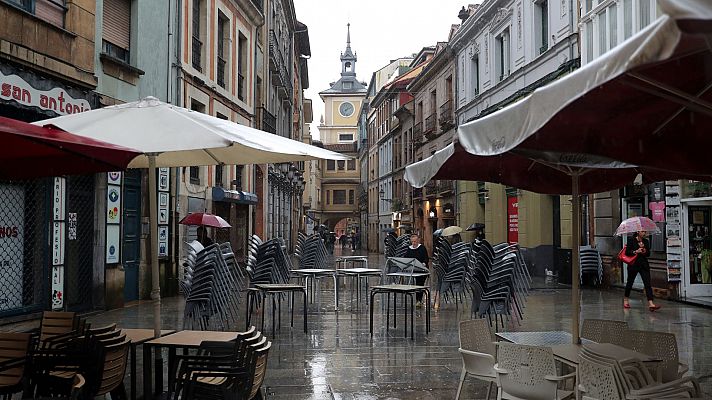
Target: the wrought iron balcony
pixel 446 186
pixel 279 66
pixel 430 123
pixel 431 189
pixel 417 193
pixel 267 120
pixel 446 115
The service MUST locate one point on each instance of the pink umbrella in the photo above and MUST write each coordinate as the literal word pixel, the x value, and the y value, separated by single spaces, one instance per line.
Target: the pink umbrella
pixel 637 224
pixel 205 219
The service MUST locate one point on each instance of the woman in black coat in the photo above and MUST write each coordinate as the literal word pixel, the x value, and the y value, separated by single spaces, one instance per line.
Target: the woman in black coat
pixel 640 245
pixel 420 253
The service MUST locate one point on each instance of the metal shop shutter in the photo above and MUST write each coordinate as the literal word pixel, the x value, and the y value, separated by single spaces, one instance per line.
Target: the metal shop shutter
pixel 117 22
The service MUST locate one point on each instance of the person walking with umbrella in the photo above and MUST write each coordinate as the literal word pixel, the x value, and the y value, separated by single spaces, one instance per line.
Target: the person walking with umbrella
pixel 637 251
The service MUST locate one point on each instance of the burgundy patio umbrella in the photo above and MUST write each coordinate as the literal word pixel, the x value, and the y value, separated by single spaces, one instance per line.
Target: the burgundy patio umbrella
pixel 32 152
pixel 642 108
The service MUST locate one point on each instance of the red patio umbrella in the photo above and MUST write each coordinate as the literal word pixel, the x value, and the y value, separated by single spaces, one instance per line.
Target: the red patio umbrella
pixel 205 219
pixel 32 151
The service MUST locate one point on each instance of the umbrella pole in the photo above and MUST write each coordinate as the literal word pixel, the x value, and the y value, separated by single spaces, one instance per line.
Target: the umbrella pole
pixel 575 241
pixel 153 251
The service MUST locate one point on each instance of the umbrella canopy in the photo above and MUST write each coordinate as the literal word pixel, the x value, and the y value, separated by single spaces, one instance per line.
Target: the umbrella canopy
pixel 38 152
pixel 170 136
pixel 438 232
pixel 637 224
pixel 642 108
pixel 451 230
pixel 205 219
pixel 475 226
pixel 179 137
pixel 388 230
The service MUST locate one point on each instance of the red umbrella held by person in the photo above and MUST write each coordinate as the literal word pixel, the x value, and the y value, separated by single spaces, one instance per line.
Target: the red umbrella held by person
pixel 205 219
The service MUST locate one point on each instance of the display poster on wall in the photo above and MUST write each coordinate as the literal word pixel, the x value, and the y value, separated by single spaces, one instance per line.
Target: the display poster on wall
pixel 658 210
pixel 672 231
pixel 72 226
pixel 162 208
pixel 112 243
pixel 113 208
pixel 58 206
pixel 113 178
pixel 57 287
pixel 12 224
pixel 162 241
pixel 512 219
pixel 163 179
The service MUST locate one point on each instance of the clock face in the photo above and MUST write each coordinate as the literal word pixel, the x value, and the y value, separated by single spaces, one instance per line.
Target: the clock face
pixel 346 109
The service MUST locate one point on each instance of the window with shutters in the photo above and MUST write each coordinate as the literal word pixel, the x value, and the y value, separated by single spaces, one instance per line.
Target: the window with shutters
pixel 52 11
pixel 116 35
pixel 223 49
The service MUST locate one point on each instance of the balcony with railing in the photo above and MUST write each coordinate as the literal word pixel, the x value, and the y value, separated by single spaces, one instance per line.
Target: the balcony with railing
pixel 417 193
pixel 418 134
pixel 430 123
pixel 221 72
pixel 446 186
pixel 279 66
pixel 197 54
pixel 447 118
pixel 431 189
pixel 268 122
pixel 394 122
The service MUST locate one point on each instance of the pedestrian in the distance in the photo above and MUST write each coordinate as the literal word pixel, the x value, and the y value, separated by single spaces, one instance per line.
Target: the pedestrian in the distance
pixel 639 244
pixel 203 237
pixel 420 253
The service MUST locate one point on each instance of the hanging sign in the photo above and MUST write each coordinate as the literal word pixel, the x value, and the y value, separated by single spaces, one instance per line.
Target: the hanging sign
pixel 113 178
pixel 12 246
pixel 163 180
pixel 58 205
pixel 112 243
pixel 162 241
pixel 58 243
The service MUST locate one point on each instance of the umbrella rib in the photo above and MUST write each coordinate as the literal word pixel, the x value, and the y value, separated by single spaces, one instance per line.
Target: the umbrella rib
pixel 213 155
pixel 657 131
pixel 666 92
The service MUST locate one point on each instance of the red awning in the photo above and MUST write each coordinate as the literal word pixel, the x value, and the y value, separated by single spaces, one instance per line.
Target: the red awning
pixel 31 151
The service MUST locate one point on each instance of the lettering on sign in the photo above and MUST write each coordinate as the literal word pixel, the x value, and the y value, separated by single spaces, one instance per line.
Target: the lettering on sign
pixel 72 227
pixel 12 87
pixel 60 187
pixel 512 219
pixel 58 243
pixel 57 287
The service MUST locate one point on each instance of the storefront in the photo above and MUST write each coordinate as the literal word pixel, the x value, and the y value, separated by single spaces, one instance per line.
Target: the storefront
pixel 696 235
pixel 46 225
pixel 234 207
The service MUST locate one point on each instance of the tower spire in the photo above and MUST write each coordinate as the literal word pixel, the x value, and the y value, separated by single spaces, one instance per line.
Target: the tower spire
pixel 348 35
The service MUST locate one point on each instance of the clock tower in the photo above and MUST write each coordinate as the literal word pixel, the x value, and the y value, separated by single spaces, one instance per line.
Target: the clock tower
pixel 338 206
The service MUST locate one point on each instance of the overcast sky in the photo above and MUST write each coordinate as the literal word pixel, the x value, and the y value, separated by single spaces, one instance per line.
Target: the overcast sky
pixel 381 30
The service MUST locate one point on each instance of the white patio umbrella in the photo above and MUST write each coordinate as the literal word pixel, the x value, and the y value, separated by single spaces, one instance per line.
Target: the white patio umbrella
pixel 171 136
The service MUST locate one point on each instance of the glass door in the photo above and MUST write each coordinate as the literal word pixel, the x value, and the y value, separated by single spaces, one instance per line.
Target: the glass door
pixel 698 243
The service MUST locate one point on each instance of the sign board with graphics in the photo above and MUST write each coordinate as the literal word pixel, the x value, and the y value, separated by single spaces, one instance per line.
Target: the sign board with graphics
pixel 12 223
pixel 13 87
pixel 162 241
pixel 163 179
pixel 113 232
pixel 58 204
pixel 113 178
pixel 113 204
pixel 57 287
pixel 58 243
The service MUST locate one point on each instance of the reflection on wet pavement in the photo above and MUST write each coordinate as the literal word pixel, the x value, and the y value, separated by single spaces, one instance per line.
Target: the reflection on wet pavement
pixel 338 358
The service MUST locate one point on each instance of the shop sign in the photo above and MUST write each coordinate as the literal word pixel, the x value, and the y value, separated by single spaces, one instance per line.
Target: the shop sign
pixel 12 222
pixel 58 243
pixel 113 213
pixel 12 87
pixel 60 187
pixel 512 219
pixel 113 233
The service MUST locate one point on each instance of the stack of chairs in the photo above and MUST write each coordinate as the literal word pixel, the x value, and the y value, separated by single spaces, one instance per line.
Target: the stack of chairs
pixel 450 264
pixel 311 252
pixel 401 245
pixel 390 246
pixel 212 285
pixel 268 263
pixel 498 281
pixel 223 370
pixel 590 262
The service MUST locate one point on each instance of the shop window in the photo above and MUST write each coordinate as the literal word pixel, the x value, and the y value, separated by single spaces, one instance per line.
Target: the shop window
pixel 116 34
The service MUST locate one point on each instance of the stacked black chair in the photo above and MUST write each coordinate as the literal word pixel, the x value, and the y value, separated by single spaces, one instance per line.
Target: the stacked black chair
pixel 212 285
pixel 311 252
pixel 498 280
pixel 590 264
pixel 451 284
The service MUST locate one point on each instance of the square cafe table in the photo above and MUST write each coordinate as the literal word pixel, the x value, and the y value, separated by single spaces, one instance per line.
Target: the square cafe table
pixel 181 339
pixel 357 273
pixel 138 337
